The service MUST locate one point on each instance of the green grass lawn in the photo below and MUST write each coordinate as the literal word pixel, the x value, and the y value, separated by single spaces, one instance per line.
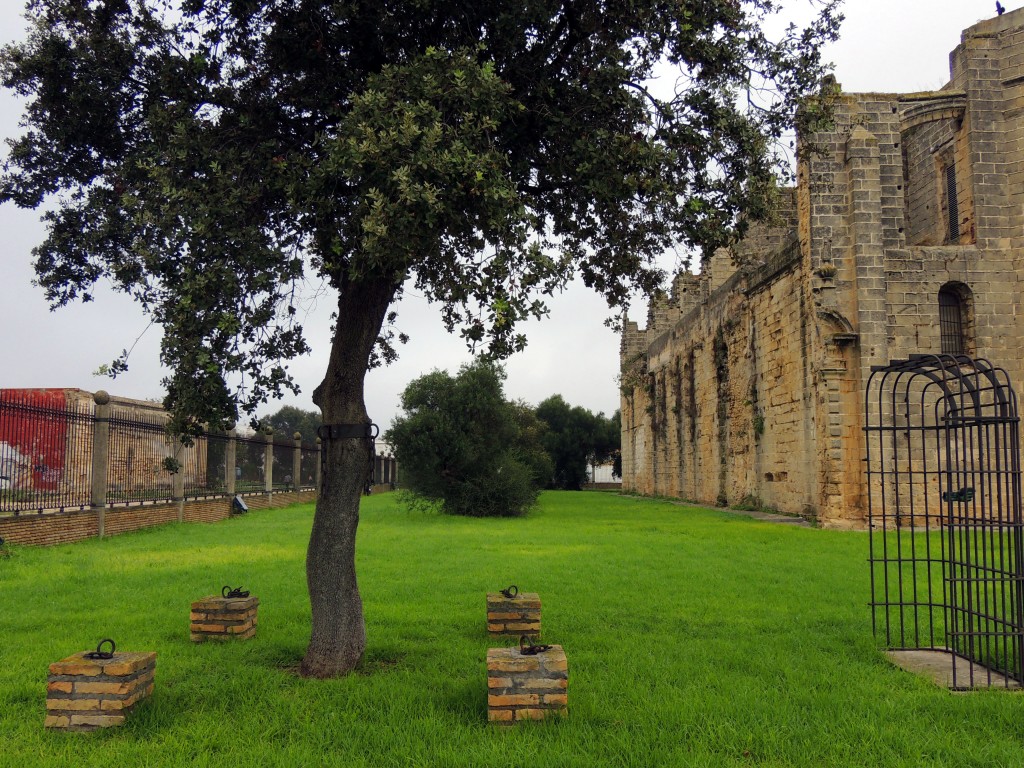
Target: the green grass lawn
pixel 694 637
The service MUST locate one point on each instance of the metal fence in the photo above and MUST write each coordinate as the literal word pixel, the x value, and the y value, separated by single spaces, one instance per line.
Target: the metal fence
pixel 141 459
pixel 52 445
pixel 207 474
pixel 946 543
pixel 250 464
pixel 45 451
pixel 283 456
pixel 309 464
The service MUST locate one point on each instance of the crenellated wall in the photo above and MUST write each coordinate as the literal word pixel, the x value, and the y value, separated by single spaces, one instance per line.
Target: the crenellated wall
pixel 747 384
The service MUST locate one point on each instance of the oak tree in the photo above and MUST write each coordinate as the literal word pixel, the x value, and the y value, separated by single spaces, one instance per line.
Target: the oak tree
pixel 209 156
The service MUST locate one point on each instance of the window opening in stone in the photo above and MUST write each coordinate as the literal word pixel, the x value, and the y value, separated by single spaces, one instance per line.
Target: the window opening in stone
pixel 951 322
pixel 952 208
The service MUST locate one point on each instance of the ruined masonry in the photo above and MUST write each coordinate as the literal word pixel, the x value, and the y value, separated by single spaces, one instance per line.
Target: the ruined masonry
pixel 904 236
pixel 83 694
pixel 518 615
pixel 223 618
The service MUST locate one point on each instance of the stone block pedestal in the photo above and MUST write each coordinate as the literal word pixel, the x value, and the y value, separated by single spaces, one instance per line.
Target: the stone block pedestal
pixel 525 687
pixel 519 615
pixel 84 694
pixel 223 618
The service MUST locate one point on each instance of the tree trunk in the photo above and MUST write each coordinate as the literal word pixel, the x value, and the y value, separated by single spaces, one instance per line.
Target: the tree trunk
pixel 338 635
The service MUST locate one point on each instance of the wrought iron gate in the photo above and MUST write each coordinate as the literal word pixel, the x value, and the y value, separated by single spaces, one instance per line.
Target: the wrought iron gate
pixel 944 509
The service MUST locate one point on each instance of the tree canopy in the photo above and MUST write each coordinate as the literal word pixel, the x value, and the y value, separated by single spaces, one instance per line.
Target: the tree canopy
pixel 288 420
pixel 212 157
pixel 460 443
pixel 575 438
pixel 209 155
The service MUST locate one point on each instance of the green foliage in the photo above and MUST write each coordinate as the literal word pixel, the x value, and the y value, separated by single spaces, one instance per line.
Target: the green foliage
pixel 758 423
pixel 461 444
pixel 208 156
pixel 575 438
pixel 736 643
pixel 288 420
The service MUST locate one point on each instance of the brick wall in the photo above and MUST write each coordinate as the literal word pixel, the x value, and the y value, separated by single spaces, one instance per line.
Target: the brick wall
pixel 721 415
pixel 66 527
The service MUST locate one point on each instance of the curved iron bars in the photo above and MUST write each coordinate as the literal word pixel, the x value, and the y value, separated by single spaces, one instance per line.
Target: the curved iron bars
pixel 946 545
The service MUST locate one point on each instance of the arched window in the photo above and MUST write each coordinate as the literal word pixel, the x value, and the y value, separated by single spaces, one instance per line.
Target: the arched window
pixel 953 324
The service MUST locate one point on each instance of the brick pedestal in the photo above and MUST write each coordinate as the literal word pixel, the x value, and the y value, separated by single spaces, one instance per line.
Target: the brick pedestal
pixel 519 615
pixel 223 618
pixel 526 687
pixel 84 694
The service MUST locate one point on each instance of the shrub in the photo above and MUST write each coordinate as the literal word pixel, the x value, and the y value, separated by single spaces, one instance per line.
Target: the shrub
pixel 462 445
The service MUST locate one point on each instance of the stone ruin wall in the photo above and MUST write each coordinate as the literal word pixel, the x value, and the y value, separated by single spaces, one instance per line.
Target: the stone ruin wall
pixel 748 386
pixel 718 413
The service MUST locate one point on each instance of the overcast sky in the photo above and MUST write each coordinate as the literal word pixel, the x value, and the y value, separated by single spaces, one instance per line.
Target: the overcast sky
pixel 886 45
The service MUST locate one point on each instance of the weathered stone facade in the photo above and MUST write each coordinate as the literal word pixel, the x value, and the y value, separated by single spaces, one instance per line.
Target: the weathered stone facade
pixel 748 383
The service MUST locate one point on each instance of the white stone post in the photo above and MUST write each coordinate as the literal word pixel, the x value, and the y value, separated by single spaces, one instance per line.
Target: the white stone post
pixel 100 457
pixel 268 461
pixel 297 462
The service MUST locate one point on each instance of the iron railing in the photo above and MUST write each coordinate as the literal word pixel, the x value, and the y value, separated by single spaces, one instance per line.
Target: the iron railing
pixel 283 454
pixel 309 465
pixel 45 452
pixel 205 468
pixel 142 459
pixel 52 443
pixel 249 464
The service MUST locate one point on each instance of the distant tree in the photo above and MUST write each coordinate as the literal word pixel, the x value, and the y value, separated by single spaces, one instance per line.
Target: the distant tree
pixel 288 420
pixel 530 444
pixel 206 157
pixel 460 443
pixel 575 439
pixel 607 441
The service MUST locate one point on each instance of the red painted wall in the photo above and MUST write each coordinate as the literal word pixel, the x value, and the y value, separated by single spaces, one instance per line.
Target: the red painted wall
pixel 33 432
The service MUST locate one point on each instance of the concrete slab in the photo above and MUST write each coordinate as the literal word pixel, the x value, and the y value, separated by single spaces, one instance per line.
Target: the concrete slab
pixel 938 665
pixel 770 517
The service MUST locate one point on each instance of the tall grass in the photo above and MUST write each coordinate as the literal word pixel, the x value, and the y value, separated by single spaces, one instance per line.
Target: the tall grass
pixel 694 637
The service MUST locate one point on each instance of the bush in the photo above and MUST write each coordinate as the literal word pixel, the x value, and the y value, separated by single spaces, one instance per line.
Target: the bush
pixel 508 490
pixel 462 445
